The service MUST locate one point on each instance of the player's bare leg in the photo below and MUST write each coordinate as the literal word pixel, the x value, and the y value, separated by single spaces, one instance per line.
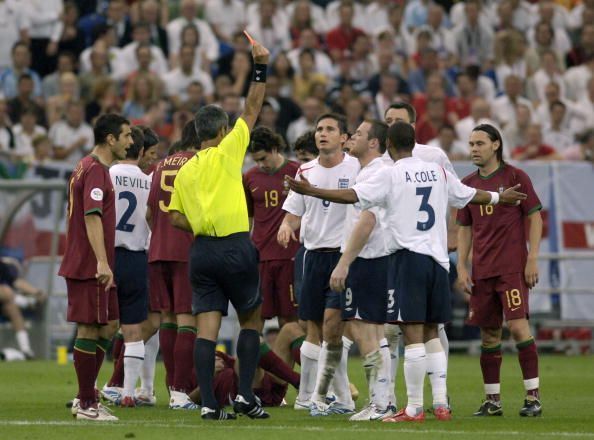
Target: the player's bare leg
pixel 287 335
pixel 415 368
pixel 528 358
pixel 310 354
pixel 13 313
pixel 437 369
pixel 491 366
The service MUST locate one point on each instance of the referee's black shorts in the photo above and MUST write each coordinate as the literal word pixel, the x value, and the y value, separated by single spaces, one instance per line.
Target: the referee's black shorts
pixel 224 269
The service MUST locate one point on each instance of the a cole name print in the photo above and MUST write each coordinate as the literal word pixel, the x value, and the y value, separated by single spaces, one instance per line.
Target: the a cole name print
pixel 421 177
pixel 132 182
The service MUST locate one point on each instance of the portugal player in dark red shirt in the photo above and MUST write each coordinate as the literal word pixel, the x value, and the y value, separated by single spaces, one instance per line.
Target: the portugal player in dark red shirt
pixel 170 290
pixel 88 259
pixel 503 269
pixel 265 193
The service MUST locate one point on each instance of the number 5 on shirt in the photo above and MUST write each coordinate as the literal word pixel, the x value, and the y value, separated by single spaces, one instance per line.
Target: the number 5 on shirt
pixel 166 187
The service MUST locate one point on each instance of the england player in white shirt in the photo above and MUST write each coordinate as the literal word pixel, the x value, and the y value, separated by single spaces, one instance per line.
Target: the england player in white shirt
pixel 361 274
pixel 419 241
pixel 322 231
pixel 132 188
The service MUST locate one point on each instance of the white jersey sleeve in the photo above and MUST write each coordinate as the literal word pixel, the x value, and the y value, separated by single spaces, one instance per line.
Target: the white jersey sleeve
pixel 132 189
pixel 373 191
pixel 294 204
pixel 459 195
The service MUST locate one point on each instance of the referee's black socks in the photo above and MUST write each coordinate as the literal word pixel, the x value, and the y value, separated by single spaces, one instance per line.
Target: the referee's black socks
pixel 204 361
pixel 248 353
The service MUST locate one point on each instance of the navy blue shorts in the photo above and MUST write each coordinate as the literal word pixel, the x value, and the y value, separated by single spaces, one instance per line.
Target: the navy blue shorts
pixel 316 295
pixel 224 269
pixel 298 274
pixel 422 289
pixel 131 278
pixel 366 295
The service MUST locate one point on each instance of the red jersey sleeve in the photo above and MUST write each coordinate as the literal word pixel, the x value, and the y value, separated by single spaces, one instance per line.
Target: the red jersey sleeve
pixel 94 190
pixel 153 193
pixel 248 195
pixel 532 203
pixel 464 216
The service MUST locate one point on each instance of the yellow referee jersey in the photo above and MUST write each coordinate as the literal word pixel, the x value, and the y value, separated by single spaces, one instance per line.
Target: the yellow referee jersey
pixel 208 189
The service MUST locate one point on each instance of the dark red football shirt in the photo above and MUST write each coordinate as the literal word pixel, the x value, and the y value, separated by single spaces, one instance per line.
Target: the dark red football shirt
pixel 167 243
pixel 90 193
pixel 265 194
pixel 498 232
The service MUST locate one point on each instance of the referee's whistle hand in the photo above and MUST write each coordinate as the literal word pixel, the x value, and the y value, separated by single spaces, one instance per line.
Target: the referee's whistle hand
pixel 512 196
pixel 260 54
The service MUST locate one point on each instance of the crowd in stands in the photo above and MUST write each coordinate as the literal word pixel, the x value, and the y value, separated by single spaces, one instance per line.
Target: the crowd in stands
pixel 526 67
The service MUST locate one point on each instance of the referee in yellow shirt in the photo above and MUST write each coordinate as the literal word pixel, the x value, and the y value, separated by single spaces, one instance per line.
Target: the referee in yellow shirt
pixel 209 200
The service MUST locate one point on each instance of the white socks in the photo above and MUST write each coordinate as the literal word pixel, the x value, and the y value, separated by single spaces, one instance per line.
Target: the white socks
pixel 437 366
pixel 310 353
pixel 133 359
pixel 147 373
pixel 443 338
pixel 341 377
pixel 415 368
pixel 393 335
pixel 23 342
pixel 330 357
pixel 382 391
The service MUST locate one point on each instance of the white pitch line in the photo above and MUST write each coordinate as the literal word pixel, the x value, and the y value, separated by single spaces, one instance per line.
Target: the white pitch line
pixel 262 427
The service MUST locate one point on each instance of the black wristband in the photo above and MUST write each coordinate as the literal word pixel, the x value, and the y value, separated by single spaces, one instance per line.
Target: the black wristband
pixel 259 73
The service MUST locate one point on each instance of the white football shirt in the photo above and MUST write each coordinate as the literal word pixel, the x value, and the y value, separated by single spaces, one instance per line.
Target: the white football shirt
pixel 416 195
pixel 132 189
pixel 322 223
pixel 428 154
pixel 377 245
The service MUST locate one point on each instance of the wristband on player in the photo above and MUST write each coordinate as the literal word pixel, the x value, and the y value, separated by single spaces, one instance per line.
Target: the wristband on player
pixel 494 198
pixel 259 73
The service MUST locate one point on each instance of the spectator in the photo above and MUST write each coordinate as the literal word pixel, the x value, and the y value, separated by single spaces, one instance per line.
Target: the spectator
pixel 9 78
pixel 573 120
pixel 474 42
pixel 387 66
pixel 72 137
pixel 307 76
pixel 442 39
pixel 105 99
pixel 312 108
pixel 195 97
pixel 504 107
pixel 517 130
pixel 266 29
pixel 340 39
pixel 51 83
pixel 304 15
pixel 544 41
pixel 510 48
pixel 72 40
pixel 226 17
pixel 429 124
pixel 555 133
pixel 428 64
pixel 309 40
pixel 191 37
pixel 268 116
pixel 577 79
pixel 144 57
pixel 129 61
pixel 44 33
pixel 7 138
pixel 105 40
pixel 99 68
pixel 390 90
pixel 177 80
pixel 535 149
pixel 585 49
pixel 460 104
pixel 548 72
pixel 480 113
pixel 149 14
pixel 42 151
pixel 69 92
pixel 24 100
pixel 289 110
pixel 364 61
pixel 360 18
pixel 446 140
pixel 305 147
pixel 585 105
pixel 354 114
pixel 14 26
pixel 117 18
pixel 584 150
pixel 377 15
pixel 142 94
pixel 188 16
pixel 24 132
pixel 556 40
pixel 283 69
pixel 415 14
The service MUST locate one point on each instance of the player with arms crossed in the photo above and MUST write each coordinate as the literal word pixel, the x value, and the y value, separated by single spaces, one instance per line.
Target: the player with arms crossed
pixel 132 187
pixel 265 194
pixel 503 270
pixel 89 259
pixel 420 263
pixel 169 277
pixel 322 230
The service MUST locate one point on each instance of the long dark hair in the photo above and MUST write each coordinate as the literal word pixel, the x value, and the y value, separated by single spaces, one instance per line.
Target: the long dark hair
pixel 493 135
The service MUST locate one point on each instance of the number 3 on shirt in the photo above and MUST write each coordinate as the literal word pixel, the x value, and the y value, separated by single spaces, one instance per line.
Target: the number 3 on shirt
pixel 425 192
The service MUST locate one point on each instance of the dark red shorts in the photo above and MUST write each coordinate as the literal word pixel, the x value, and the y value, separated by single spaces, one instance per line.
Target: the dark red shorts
pixel 169 287
pixel 498 297
pixel 90 303
pixel 271 393
pixel 276 285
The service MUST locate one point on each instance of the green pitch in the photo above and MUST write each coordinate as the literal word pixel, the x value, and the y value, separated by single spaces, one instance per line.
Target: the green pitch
pixel 33 397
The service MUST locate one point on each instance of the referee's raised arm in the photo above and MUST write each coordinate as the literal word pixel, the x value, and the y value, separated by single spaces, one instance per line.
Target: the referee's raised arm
pixel 255 96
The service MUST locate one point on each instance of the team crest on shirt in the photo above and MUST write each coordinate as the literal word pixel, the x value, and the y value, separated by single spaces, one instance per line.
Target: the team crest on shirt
pixel 97 194
pixel 501 189
pixel 343 183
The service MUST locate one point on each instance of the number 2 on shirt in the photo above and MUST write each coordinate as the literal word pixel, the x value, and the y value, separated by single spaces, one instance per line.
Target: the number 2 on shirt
pixel 425 192
pixel 123 224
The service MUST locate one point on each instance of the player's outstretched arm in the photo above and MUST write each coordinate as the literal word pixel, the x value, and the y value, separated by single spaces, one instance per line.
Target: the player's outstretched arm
pixel 354 246
pixel 179 221
pixel 464 243
pixel 510 196
pixel 255 96
pixel 286 231
pixel 302 186
pixel 534 236
pixel 94 228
